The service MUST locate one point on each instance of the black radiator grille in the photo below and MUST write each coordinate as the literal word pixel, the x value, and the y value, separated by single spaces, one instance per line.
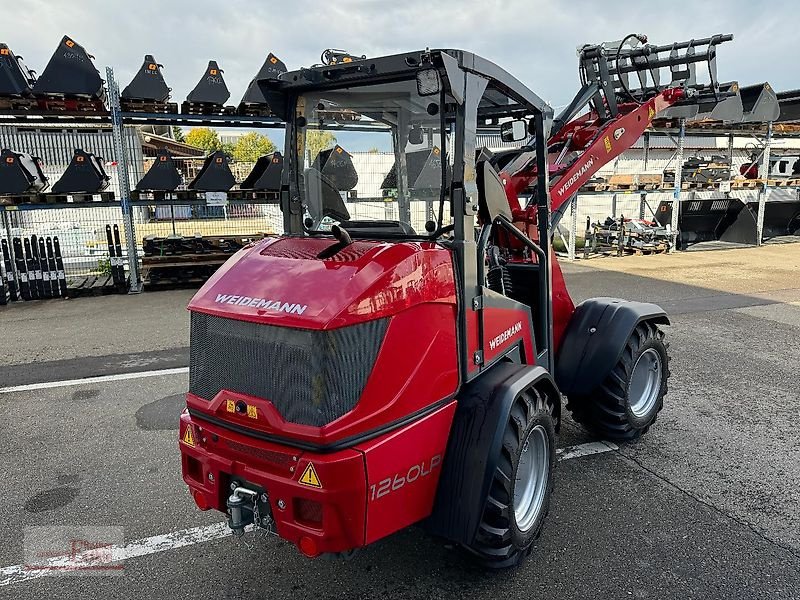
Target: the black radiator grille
pixel 311 377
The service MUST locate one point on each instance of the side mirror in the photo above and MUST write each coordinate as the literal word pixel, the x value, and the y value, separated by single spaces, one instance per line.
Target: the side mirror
pixel 514 131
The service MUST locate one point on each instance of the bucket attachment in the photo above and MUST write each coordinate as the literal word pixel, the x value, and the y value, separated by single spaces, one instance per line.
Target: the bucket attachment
pixel 163 175
pixel 253 102
pixel 70 73
pixel 266 175
pixel 336 166
pixel 16 79
pixel 727 110
pixel 760 103
pixel 781 217
pixel 424 169
pixel 702 220
pixel 215 176
pixel 84 175
pixel 789 104
pixel 148 92
pixel 210 93
pixel 21 173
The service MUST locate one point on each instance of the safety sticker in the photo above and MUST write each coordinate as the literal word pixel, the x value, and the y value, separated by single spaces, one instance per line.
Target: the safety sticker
pixel 309 477
pixel 252 411
pixel 650 112
pixel 607 143
pixel 188 436
pixel 230 406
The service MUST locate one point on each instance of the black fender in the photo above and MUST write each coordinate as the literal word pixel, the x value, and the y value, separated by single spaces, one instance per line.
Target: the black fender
pixel 475 440
pixel 595 339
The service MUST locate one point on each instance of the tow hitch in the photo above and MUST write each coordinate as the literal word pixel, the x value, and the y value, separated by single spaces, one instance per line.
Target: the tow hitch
pixel 248 506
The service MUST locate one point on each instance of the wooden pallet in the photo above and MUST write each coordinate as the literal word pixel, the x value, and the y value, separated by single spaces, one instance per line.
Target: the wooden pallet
pixel 178 196
pixel 92 285
pixel 17 199
pixel 206 108
pixel 68 103
pixel 17 103
pixel 148 106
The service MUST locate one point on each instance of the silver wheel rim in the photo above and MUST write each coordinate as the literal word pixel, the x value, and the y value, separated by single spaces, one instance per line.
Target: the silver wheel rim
pixel 645 383
pixel 533 471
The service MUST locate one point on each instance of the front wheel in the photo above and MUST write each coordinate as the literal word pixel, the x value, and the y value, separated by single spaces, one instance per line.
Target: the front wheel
pixel 625 405
pixel 519 497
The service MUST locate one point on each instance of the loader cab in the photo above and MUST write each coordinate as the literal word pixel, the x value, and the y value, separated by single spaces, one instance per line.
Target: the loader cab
pixel 387 149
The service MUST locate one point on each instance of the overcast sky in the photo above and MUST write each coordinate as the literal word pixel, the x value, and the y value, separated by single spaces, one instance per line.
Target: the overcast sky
pixel 534 40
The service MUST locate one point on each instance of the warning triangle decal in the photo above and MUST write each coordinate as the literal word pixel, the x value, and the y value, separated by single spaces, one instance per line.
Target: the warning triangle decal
pixel 309 477
pixel 188 436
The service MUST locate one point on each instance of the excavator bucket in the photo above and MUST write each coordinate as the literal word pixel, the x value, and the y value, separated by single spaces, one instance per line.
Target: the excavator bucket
pixel 215 176
pixel 21 173
pixel 336 165
pixel 424 169
pixel 266 175
pixel 148 92
pixel 210 93
pixel 760 103
pixel 84 175
pixel 253 102
pixel 16 79
pixel 163 175
pixel 70 72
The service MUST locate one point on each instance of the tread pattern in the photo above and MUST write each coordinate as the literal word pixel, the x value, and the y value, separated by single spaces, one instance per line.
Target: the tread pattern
pixel 495 545
pixel 605 410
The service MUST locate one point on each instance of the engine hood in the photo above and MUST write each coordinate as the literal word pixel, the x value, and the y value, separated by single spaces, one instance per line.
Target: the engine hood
pixel 280 281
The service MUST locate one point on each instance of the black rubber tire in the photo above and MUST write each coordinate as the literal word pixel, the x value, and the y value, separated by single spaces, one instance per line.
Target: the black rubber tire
pixel 606 411
pixel 499 543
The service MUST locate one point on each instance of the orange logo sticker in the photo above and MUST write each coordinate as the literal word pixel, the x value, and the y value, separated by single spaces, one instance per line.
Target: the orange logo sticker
pixel 152 67
pixel 163 159
pixel 10 160
pixel 4 51
pixel 79 159
pixel 69 43
pixel 218 160
pixel 273 60
pixel 212 72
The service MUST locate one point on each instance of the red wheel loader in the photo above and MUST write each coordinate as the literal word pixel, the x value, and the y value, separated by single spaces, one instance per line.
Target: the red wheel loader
pixel 400 353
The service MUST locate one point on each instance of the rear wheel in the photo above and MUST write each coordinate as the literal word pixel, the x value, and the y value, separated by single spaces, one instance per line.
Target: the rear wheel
pixel 519 497
pixel 625 405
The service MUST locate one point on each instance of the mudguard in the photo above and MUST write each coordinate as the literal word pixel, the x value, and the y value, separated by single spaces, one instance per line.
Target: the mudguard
pixel 595 338
pixel 474 445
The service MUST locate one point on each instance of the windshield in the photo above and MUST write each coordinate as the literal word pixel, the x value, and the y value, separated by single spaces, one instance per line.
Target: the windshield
pixel 372 158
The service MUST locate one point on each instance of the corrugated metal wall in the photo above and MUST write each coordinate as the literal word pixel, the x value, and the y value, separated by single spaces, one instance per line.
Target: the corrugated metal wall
pixel 55 146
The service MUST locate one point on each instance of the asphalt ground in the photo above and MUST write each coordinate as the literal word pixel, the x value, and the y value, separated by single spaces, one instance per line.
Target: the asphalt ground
pixel 706 505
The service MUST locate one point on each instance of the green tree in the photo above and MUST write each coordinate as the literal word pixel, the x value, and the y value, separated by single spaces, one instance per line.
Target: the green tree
pixel 251 146
pixel 177 134
pixel 317 141
pixel 205 138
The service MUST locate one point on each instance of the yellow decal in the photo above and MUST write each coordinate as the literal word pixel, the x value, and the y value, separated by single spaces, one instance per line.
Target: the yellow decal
pixel 230 406
pixel 607 143
pixel 69 43
pixel 338 150
pixel 651 112
pixel 188 436
pixel 436 151
pixel 273 60
pixel 309 477
pixel 252 412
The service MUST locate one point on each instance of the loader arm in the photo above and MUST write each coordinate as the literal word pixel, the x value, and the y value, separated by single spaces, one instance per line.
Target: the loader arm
pixel 596 144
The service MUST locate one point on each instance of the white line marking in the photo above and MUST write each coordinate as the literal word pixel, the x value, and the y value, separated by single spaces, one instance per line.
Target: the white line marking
pixel 585 450
pixel 195 535
pixel 113 554
pixel 103 378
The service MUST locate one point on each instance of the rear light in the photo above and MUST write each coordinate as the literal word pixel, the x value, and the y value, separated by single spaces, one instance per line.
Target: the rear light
pixel 308 546
pixel 200 500
pixel 309 512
